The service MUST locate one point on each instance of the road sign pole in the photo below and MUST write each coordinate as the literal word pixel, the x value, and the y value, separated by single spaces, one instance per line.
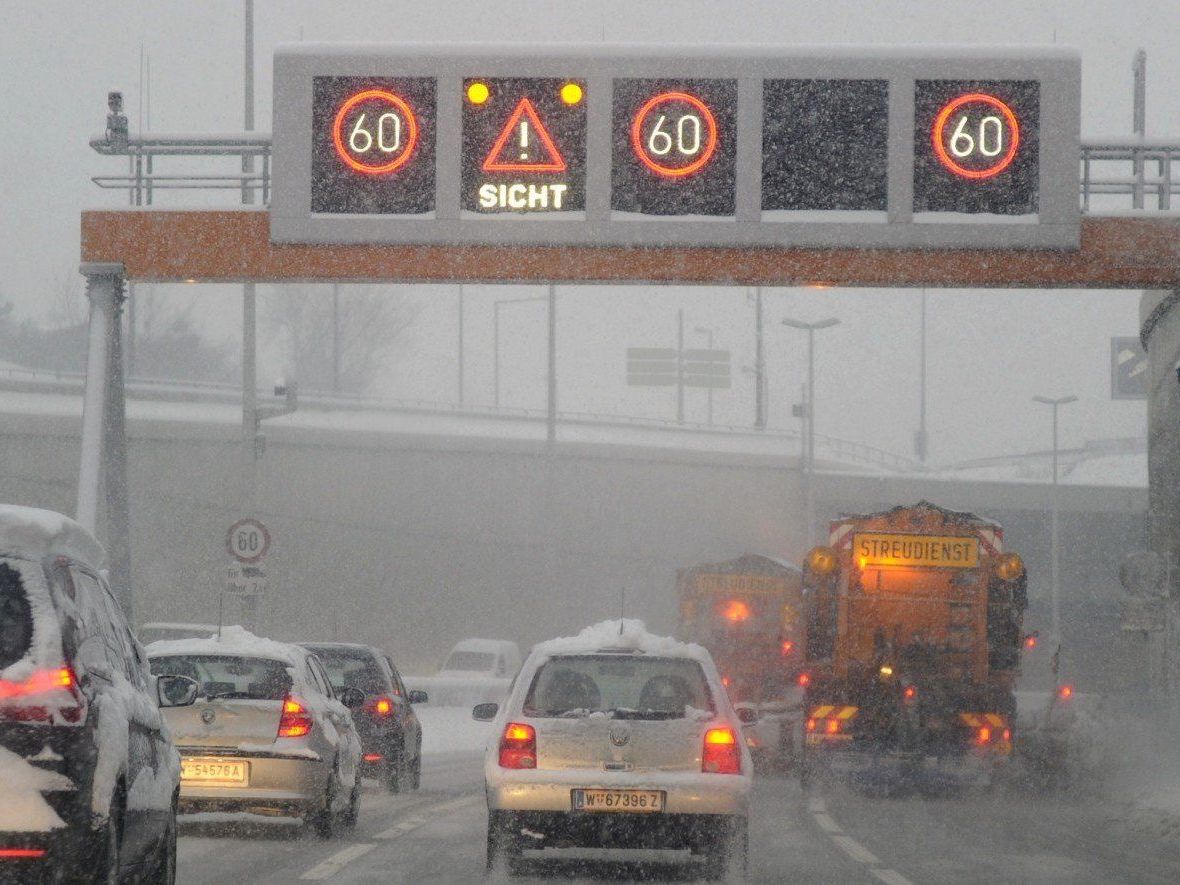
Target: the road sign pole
pixel 759 365
pixel 551 422
pixel 680 367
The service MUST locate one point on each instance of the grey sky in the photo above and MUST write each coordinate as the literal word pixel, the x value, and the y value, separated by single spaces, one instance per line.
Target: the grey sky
pixel 989 351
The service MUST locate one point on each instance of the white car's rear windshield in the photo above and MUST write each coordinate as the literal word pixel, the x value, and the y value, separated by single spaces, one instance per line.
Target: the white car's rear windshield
pixel 623 686
pixel 227 676
pixel 469 660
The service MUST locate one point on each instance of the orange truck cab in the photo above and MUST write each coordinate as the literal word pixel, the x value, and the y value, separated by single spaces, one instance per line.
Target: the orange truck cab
pixel 913 621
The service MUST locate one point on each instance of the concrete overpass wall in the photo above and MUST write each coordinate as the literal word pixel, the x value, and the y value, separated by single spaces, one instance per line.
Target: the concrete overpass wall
pixel 411 543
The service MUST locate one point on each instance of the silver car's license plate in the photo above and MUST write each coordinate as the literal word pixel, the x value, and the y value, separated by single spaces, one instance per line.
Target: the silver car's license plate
pixel 200 770
pixel 618 800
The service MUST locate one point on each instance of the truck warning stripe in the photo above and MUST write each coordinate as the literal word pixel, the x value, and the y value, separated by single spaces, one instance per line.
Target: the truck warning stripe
pixel 822 712
pixel 977 720
pixel 994 718
pixel 846 713
pixel 970 719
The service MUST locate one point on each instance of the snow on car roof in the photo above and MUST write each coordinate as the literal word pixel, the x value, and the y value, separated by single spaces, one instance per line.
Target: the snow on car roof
pixel 34 532
pixel 234 640
pixel 621 635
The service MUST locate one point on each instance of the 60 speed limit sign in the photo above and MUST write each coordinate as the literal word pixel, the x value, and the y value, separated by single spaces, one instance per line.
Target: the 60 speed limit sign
pixel 248 540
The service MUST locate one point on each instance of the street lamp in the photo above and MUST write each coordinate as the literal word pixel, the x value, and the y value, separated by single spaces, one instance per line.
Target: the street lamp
pixel 809 413
pixel 1054 549
pixel 496 341
pixel 708 333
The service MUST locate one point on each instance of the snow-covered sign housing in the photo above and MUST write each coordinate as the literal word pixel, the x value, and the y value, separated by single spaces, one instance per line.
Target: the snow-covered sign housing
pixel 593 145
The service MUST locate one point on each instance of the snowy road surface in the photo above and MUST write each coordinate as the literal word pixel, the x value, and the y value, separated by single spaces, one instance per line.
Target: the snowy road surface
pixel 835 834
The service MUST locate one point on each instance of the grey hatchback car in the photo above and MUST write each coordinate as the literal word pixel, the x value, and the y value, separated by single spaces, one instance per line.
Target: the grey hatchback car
pixel 267 733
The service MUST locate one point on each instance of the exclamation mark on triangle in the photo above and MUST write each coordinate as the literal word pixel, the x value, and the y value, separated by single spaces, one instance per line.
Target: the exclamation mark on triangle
pixel 524 134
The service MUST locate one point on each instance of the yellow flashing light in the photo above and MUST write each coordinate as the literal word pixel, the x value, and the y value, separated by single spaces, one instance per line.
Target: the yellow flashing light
pixel 822 561
pixel 478 93
pixel 1009 567
pixel 571 93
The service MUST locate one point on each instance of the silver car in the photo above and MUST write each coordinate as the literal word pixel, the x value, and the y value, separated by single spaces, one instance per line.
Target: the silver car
pixel 266 735
pixel 617 739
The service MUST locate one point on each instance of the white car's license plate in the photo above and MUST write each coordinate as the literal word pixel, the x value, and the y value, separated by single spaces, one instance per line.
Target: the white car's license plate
pixel 214 771
pixel 618 800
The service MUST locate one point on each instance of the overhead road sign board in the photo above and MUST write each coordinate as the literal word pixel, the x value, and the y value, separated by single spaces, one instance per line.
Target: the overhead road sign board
pixel 667 367
pixel 1128 368
pixel 792 146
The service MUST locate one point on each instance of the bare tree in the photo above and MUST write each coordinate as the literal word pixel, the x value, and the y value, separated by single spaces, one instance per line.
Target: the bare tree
pixel 339 340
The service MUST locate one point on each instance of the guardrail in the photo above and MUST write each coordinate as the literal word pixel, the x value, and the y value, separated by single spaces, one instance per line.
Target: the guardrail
pixel 1131 166
pixel 231 394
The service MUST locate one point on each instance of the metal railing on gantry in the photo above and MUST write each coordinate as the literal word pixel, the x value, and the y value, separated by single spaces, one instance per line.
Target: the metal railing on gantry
pixel 1135 167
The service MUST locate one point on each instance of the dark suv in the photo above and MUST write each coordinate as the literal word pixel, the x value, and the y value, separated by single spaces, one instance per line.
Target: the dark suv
pixel 88 774
pixel 391 736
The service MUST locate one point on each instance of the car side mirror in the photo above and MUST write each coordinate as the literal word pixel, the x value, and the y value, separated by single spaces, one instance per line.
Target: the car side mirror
pixel 176 691
pixel 353 698
pixel 747 715
pixel 485 712
pixel 417 696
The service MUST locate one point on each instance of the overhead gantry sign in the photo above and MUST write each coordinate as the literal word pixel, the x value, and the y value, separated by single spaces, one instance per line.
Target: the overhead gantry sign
pixel 676 147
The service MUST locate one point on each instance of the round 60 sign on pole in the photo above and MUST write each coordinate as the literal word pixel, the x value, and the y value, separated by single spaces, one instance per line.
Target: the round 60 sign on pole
pixel 248 541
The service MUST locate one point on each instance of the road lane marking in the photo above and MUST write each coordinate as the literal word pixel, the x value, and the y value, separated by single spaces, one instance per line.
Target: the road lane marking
pixel 890 877
pixel 826 823
pixel 855 850
pixel 424 817
pixel 333 864
pixel 818 809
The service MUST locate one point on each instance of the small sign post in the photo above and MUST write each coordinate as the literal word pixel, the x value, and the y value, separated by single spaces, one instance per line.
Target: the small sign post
pixel 1128 368
pixel 248 542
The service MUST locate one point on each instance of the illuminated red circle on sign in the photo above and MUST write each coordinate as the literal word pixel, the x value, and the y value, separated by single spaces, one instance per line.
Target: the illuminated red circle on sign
pixel 706 152
pixel 403 153
pixel 1002 161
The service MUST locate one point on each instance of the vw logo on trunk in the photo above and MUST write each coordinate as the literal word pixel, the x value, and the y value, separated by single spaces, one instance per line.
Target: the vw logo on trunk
pixel 208 715
pixel 619 735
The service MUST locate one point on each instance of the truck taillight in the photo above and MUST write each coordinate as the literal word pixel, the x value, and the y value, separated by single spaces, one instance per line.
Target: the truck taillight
pixel 786 648
pixel 909 693
pixel 721 754
pixel 804 679
pixel 45 696
pixel 518 746
pixel 295 721
pixel 984 735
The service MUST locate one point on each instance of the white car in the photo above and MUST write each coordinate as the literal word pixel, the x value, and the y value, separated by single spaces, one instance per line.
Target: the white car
pixel 486 658
pixel 612 740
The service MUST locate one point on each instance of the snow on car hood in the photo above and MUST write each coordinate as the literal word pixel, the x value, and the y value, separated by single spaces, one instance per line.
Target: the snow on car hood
pixel 24 809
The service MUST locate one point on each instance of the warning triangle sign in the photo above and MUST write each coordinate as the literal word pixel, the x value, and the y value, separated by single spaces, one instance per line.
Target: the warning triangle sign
pixel 524 145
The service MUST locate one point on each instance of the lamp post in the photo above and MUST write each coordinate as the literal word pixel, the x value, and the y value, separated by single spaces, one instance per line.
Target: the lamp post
pixel 1054 548
pixel 708 333
pixel 809 414
pixel 496 341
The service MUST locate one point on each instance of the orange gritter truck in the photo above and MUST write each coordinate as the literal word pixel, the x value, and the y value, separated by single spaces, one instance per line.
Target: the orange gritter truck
pixel 748 612
pixel 913 621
